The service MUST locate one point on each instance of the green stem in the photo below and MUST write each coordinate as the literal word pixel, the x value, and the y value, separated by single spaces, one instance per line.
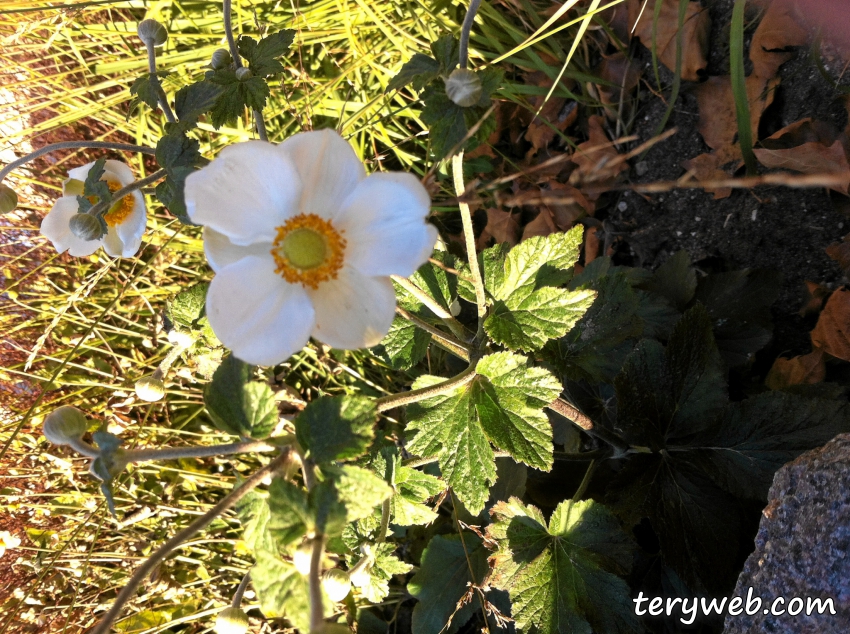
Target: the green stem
pixel 739 85
pixel 453 345
pixel 391 401
pixel 454 325
pixel 157 86
pixel 103 205
pixel 82 447
pixel 469 236
pixel 176 453
pixel 240 591
pixel 227 9
pixel 465 30
pixel 585 481
pixel 226 503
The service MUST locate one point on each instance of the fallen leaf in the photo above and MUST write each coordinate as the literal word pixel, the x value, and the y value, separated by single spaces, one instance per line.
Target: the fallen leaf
pixel 542 225
pixel 778 31
pixel 840 252
pixel 502 226
pixel 620 74
pixel 706 167
pixel 591 245
pixel 557 114
pixel 832 332
pixel 695 32
pixel 597 159
pixel 718 124
pixel 814 296
pixel 801 370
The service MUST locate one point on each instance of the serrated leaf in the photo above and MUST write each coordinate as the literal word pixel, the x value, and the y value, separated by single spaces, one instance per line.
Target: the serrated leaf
pixel 563 578
pixel 448 566
pixel 282 590
pixel 253 512
pixel 418 71
pixel 188 306
pixel 676 280
pixel 503 404
pixel 262 56
pixel 385 566
pixel 179 155
pixel 236 95
pixel 336 427
pixel 411 488
pixel 289 514
pixel 446 52
pixel 194 100
pixel 238 405
pixel 445 120
pixel 405 344
pixel 348 494
pixel 143 92
pixel 94 185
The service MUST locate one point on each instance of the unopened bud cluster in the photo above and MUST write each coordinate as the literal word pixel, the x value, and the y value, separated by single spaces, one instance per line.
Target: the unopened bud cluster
pixel 220 59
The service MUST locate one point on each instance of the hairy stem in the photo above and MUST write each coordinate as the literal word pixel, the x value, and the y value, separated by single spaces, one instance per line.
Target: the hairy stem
pixel 454 325
pixel 226 503
pixel 240 591
pixel 465 30
pixel 452 344
pixel 469 236
pixel 74 145
pixel 391 401
pixel 572 414
pixel 103 205
pixel 157 86
pixel 237 60
pixel 317 611
pixel 175 453
pixel 82 447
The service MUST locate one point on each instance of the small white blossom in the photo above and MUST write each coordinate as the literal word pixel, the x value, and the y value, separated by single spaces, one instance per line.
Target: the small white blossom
pixel 126 219
pixel 303 244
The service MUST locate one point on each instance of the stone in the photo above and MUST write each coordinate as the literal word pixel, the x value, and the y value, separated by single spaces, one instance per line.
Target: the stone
pixel 802 548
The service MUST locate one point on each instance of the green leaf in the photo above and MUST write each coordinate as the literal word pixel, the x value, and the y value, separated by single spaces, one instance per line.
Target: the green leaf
pixel 405 344
pixel 143 621
pixel 420 70
pixel 194 100
pixel 446 51
pixel 676 280
pixel 289 514
pixel 143 92
pixel 448 566
pixel 337 427
pixel 386 565
pixel 236 95
pixel 95 185
pixel 348 494
pixel 445 120
pixel 253 512
pixel 188 306
pixel 179 155
pixel 262 56
pixel 282 590
pixel 504 405
pixel 238 405
pixel 411 488
pixel 563 578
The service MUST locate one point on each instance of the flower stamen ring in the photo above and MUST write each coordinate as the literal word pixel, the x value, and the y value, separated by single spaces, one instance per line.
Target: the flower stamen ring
pixel 308 250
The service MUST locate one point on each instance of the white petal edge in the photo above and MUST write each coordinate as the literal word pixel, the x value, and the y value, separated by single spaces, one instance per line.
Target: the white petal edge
pixel 329 170
pixel 246 192
pixel 384 224
pixel 221 252
pixel 55 227
pixel 118 170
pixel 354 310
pixel 258 315
pixel 133 228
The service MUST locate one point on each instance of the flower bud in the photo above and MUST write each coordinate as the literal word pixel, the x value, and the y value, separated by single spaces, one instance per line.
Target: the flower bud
pixel 463 87
pixel 362 577
pixel 231 621
pixel 337 584
pixel 152 33
pixel 243 73
pixel 302 557
pixel 65 425
pixel 150 389
pixel 220 59
pixel 8 199
pixel 86 227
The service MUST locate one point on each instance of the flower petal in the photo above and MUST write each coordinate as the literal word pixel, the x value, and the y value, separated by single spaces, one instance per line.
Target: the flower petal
pixel 133 228
pixel 354 310
pixel 248 191
pixel 254 312
pixel 221 252
pixel 119 171
pixel 329 170
pixel 385 227
pixel 55 227
pixel 112 243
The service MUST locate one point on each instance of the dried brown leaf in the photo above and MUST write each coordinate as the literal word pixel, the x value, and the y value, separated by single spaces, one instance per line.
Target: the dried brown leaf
pixel 814 296
pixel 694 37
pixel 801 370
pixel 706 167
pixel 832 332
pixel 778 31
pixel 718 124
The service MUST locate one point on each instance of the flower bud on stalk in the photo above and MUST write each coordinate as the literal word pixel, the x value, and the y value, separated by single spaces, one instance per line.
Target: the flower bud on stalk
pixel 464 87
pixel 231 621
pixel 8 199
pixel 337 584
pixel 86 227
pixel 152 33
pixel 151 388
pixel 65 425
pixel 220 59
pixel 243 73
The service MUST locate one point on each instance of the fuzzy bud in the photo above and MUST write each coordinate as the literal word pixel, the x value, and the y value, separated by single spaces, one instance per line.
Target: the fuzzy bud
pixel 243 73
pixel 152 33
pixel 231 621
pixel 337 584
pixel 8 199
pixel 150 389
pixel 86 227
pixel 302 557
pixel 65 425
pixel 463 87
pixel 220 59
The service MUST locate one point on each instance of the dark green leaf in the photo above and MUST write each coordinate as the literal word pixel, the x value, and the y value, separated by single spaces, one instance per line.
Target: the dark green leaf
pixel 262 56
pixel 419 71
pixel 236 95
pixel 676 280
pixel 194 100
pixel 348 494
pixel 238 405
pixel 95 185
pixel 179 155
pixel 289 515
pixel 446 51
pixel 337 427
pixel 143 92
pixel 445 120
pixel 405 344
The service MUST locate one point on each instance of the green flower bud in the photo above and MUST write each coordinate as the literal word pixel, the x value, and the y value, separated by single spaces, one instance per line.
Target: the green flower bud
pixel 302 557
pixel 73 187
pixel 337 584
pixel 463 87
pixel 8 199
pixel 65 425
pixel 86 227
pixel 150 389
pixel 220 59
pixel 243 73
pixel 231 621
pixel 152 33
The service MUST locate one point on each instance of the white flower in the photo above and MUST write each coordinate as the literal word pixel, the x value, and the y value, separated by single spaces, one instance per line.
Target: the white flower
pixel 8 541
pixel 303 244
pixel 126 219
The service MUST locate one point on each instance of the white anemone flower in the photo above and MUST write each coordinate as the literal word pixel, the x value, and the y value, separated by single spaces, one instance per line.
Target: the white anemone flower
pixel 303 243
pixel 126 219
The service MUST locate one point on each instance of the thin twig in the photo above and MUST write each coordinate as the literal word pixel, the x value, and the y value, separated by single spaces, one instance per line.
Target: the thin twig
pixel 129 590
pixel 571 413
pixel 391 401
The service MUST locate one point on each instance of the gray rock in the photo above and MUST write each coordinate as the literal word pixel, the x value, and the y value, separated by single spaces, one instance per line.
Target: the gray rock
pixel 802 547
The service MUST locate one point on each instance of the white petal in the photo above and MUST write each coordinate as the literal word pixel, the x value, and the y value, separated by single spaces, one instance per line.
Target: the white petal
pixel 121 171
pixel 221 252
pixel 256 313
pixel 248 191
pixel 55 227
pixel 329 170
pixel 354 310
pixel 133 228
pixel 81 173
pixel 112 243
pixel 385 227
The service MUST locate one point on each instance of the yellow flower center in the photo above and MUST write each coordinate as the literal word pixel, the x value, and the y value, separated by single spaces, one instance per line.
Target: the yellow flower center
pixel 308 250
pixel 117 213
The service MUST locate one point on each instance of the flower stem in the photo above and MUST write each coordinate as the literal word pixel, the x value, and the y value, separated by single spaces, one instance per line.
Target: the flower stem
pixel 74 145
pixel 571 413
pixel 103 205
pixel 454 325
pixel 465 30
pixel 82 447
pixel 157 86
pixel 469 235
pixel 391 401
pixel 176 453
pixel 226 503
pixel 240 591
pixel 317 611
pixel 453 345
pixel 237 60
